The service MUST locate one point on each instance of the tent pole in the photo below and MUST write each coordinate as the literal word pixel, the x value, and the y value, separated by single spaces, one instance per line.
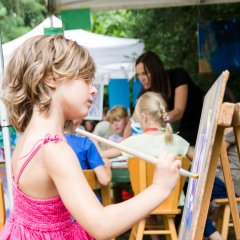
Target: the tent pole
pixel 5 131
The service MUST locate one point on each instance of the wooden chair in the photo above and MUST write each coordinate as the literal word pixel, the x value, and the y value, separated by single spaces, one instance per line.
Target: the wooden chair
pixel 224 216
pixel 2 206
pixel 95 185
pixel 141 174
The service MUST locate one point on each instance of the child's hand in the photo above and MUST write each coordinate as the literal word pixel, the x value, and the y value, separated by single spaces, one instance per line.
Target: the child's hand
pixel 166 171
pixel 108 163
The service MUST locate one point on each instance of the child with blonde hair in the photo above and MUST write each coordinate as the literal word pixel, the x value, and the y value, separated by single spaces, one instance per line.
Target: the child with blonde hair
pixel 157 136
pixel 118 118
pixel 48 81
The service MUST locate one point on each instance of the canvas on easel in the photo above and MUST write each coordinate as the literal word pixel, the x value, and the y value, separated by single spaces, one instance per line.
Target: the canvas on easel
pixel 209 140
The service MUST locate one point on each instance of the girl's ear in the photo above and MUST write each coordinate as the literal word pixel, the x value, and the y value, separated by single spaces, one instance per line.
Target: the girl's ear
pixel 50 81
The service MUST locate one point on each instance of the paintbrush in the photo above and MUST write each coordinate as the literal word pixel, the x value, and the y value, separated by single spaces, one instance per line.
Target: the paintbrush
pixel 131 151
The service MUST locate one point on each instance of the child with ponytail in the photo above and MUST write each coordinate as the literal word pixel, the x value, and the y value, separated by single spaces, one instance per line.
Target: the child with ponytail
pixel 157 136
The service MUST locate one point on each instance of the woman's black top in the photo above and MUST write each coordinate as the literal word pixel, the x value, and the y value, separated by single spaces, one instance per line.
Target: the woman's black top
pixel 191 117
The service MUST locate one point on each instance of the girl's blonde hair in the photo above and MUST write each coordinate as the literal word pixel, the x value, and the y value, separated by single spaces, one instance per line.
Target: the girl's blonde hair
pixel 24 84
pixel 116 113
pixel 154 105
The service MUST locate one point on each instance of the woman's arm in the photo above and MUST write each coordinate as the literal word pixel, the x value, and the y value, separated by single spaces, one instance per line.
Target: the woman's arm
pixel 190 153
pixel 105 222
pixel 180 102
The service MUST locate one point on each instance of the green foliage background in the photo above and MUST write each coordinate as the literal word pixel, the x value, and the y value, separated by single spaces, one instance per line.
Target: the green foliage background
pixel 19 16
pixel 171 32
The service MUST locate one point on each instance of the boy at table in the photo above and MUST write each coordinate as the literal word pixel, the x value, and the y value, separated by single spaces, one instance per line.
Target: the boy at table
pixel 88 155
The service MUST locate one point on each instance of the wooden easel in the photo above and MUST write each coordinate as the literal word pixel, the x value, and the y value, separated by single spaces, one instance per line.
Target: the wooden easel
pixel 227 172
pixel 214 119
pixel 229 205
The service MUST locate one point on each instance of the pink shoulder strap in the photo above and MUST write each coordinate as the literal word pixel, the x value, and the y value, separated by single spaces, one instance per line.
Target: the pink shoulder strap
pixel 38 145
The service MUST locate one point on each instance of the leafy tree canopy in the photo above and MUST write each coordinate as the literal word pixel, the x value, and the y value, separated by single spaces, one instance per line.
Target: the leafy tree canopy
pixel 171 32
pixel 19 16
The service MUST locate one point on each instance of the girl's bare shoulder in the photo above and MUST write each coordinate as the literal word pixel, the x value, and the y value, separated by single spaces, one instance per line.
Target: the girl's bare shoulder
pixel 58 154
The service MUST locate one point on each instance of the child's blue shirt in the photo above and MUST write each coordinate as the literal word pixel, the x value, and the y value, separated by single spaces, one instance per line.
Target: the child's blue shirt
pixel 85 150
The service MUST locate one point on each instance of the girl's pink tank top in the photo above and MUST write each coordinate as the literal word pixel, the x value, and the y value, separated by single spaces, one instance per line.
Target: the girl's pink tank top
pixel 38 219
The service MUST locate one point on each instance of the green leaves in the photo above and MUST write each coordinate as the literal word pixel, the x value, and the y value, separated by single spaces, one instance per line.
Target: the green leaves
pixel 19 16
pixel 112 23
pixel 171 32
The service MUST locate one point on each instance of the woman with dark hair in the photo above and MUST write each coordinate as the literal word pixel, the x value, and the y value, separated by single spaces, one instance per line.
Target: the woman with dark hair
pixel 184 98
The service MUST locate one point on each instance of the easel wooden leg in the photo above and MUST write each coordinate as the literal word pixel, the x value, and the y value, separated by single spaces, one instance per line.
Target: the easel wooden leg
pixel 229 185
pixel 225 223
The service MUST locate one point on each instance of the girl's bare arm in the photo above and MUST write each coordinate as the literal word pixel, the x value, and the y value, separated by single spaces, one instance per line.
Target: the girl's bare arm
pixel 106 222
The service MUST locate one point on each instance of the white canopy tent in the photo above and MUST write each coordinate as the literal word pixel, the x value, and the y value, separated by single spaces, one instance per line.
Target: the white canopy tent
pixel 114 57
